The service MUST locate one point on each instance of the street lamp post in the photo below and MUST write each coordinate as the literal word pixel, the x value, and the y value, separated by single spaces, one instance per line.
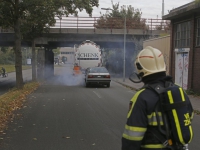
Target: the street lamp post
pixel 60 16
pixel 124 64
pixel 124 48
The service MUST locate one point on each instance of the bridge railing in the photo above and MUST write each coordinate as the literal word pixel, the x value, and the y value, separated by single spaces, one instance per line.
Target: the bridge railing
pixel 111 23
pixel 104 23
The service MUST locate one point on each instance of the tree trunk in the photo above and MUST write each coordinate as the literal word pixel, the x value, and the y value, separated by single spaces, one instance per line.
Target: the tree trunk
pixel 18 55
pixel 33 61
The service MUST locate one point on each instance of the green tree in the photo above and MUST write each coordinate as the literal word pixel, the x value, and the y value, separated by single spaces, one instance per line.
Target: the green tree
pixel 7 55
pixel 14 13
pixel 37 20
pixel 3 49
pixel 115 18
pixel 56 51
pixel 197 1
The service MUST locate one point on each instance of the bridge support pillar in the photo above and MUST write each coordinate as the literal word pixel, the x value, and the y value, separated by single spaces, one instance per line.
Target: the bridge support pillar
pixel 49 63
pixel 45 63
pixel 40 63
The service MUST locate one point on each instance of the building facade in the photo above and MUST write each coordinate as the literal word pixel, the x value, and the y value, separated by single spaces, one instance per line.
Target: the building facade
pixel 185 45
pixel 67 55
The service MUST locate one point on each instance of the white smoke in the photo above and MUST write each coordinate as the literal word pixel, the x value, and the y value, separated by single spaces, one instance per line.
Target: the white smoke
pixel 64 75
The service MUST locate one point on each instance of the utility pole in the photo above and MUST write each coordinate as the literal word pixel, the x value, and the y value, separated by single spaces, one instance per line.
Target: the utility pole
pixel 124 69
pixel 162 7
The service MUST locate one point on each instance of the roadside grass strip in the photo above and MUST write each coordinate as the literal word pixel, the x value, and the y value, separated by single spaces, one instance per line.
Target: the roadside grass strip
pixel 13 100
pixel 11 68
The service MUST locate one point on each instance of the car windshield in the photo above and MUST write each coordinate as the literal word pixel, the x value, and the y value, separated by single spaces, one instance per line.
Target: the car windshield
pixel 98 70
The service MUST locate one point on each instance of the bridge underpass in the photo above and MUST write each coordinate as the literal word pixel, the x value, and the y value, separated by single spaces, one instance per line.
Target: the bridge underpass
pixel 69 37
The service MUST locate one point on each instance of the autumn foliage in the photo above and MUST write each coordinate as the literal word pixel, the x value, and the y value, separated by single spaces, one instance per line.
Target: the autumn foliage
pixel 116 17
pixel 12 101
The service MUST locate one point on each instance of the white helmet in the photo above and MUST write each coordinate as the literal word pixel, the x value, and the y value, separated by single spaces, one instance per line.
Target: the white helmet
pixel 149 61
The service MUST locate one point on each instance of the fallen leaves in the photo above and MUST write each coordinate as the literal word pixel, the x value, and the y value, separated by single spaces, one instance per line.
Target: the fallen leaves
pixel 66 137
pixel 13 100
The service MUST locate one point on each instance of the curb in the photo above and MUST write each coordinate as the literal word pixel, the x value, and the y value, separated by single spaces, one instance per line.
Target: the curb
pixel 131 87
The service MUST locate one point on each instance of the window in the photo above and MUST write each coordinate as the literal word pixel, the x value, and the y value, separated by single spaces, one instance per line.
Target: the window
pixel 198 32
pixel 182 35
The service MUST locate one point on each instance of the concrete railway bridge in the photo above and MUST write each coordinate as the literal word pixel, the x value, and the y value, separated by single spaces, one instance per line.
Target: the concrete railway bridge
pixel 74 30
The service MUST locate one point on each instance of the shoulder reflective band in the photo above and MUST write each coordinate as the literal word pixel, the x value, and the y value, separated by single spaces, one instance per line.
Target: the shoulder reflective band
pixel 133 100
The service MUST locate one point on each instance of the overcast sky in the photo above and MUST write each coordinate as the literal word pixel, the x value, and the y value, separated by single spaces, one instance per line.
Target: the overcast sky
pixel 149 8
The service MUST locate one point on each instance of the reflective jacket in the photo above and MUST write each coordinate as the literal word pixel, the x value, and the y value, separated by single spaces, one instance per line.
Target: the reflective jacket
pixel 141 119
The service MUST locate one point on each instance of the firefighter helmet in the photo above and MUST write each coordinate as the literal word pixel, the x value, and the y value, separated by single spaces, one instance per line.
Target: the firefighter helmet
pixel 149 61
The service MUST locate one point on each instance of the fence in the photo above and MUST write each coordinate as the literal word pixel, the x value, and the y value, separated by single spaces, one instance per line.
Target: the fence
pixel 111 23
pixel 107 23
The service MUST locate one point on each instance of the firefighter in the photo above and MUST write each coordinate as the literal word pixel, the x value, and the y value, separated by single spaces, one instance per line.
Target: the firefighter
pixel 141 118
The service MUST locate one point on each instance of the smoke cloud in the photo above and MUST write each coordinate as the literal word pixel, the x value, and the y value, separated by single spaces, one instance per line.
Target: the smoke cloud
pixel 63 75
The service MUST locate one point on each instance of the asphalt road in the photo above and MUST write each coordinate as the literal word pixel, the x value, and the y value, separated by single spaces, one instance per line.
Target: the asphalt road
pixel 64 115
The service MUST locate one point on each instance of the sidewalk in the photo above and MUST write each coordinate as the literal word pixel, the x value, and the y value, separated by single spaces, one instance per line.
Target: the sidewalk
pixel 195 100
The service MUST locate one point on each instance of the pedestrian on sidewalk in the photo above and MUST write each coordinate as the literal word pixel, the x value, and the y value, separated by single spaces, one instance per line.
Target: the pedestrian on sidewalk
pixel 145 116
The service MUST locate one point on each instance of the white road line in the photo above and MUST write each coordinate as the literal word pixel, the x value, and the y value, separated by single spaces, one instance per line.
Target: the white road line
pixel 97 94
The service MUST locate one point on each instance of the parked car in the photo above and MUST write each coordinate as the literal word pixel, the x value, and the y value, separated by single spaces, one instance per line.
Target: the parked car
pixel 97 75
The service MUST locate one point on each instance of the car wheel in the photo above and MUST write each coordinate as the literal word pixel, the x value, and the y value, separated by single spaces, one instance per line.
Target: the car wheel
pixel 108 85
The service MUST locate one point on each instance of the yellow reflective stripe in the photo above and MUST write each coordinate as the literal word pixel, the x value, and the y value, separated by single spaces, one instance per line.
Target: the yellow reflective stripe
pixel 176 118
pixel 170 97
pixel 182 94
pixel 134 133
pixel 140 129
pixel 152 119
pixel 132 138
pixel 154 114
pixel 155 123
pixel 192 115
pixel 133 100
pixel 153 146
pixel 191 133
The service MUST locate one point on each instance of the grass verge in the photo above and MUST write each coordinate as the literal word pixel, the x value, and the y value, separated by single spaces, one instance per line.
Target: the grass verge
pixel 13 100
pixel 11 68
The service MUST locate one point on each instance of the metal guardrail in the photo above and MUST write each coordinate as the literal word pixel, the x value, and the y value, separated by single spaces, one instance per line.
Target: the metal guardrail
pixel 94 22
pixel 112 23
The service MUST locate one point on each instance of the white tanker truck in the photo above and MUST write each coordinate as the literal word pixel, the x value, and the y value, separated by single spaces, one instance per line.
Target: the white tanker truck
pixel 87 54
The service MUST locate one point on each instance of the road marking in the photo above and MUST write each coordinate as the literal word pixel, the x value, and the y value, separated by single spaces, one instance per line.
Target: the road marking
pixel 97 94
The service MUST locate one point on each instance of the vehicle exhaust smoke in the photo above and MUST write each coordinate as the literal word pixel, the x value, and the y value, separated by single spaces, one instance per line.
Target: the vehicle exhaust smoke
pixel 64 75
